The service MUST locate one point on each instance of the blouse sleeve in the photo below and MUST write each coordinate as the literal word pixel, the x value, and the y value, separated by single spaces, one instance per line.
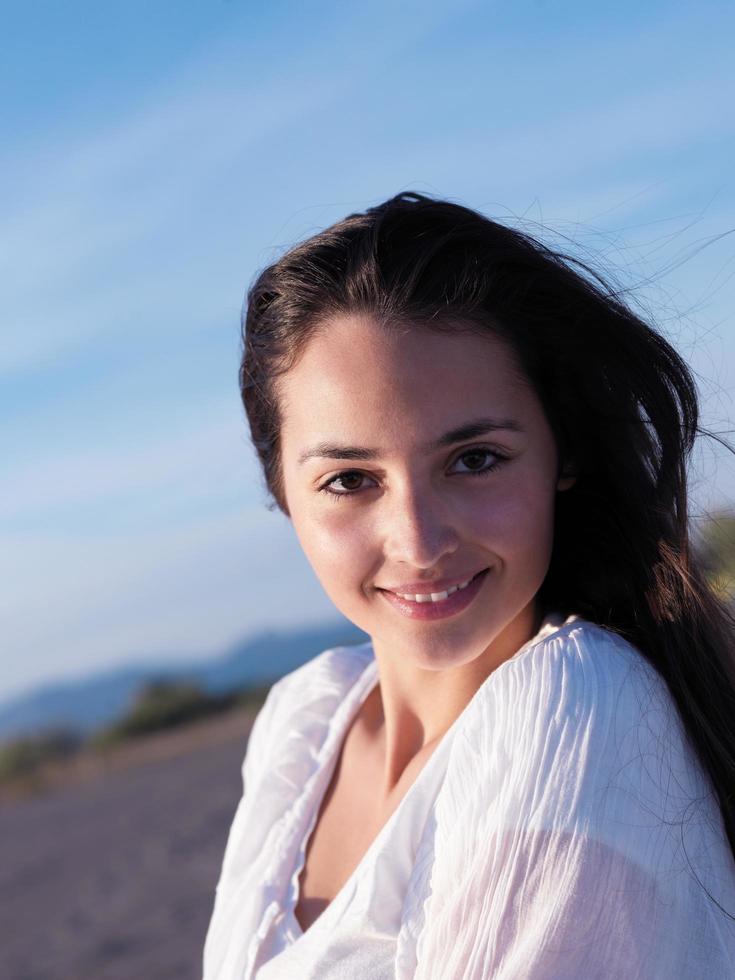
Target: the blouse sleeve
pixel 558 851
pixel 257 744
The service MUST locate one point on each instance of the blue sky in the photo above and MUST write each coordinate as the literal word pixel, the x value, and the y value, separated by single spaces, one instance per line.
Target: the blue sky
pixel 156 156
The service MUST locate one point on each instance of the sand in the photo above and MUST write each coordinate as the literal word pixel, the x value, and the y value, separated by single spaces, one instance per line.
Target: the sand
pixel 110 874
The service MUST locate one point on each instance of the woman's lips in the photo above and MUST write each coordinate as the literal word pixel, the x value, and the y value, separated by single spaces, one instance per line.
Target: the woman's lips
pixel 455 603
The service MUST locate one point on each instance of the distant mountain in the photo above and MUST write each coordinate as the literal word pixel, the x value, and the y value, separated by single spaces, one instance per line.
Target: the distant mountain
pixel 100 699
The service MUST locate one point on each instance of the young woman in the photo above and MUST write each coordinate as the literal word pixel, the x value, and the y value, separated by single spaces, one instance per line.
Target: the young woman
pixel 529 771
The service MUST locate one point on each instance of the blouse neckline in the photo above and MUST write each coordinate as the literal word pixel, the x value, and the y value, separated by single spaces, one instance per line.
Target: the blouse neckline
pixel 363 687
pixel 366 682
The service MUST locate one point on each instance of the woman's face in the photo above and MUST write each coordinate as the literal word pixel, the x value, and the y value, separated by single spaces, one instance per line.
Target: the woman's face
pixel 415 462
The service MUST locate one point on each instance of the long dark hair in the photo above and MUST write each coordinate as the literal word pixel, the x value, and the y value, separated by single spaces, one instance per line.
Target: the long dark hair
pixel 621 402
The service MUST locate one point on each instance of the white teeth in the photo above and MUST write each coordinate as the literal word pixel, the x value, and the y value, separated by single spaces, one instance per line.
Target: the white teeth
pixel 435 596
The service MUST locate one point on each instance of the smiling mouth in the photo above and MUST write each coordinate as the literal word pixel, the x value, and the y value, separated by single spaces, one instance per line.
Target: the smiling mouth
pixel 436 597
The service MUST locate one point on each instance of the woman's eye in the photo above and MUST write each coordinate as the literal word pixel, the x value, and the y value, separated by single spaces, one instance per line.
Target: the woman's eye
pixel 345 483
pixel 478 461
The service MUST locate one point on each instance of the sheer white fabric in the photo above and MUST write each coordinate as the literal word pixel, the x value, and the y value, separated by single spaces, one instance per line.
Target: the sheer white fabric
pixel 563 829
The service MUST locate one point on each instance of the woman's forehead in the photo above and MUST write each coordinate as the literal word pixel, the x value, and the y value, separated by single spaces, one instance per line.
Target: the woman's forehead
pixel 356 375
pixel 348 347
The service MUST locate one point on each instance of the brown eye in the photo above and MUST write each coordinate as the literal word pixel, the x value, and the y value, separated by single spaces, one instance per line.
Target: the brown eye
pixel 476 459
pixel 345 484
pixel 349 481
pixel 476 462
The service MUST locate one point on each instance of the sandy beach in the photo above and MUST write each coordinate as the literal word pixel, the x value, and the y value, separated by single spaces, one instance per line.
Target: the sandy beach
pixel 110 874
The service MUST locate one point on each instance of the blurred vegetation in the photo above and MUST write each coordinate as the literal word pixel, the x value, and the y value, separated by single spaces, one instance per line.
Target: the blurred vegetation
pixel 158 706
pixel 253 697
pixel 715 546
pixel 23 757
pixel 162 704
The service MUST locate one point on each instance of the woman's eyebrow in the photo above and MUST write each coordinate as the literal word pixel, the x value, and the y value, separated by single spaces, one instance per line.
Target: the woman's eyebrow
pixel 470 430
pixel 329 450
pixel 473 429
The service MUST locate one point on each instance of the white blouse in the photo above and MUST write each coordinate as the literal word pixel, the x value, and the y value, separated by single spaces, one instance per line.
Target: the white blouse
pixel 563 829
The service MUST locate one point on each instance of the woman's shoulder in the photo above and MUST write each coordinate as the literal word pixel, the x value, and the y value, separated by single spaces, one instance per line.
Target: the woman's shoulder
pixel 579 666
pixel 579 734
pixel 572 667
pixel 577 640
pixel 577 722
pixel 572 810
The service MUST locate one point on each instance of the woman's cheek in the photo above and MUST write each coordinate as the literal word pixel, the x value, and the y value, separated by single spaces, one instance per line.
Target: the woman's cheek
pixel 537 516
pixel 338 548
pixel 519 523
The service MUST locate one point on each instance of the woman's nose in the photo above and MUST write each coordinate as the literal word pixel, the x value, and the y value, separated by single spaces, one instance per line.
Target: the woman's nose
pixel 418 529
